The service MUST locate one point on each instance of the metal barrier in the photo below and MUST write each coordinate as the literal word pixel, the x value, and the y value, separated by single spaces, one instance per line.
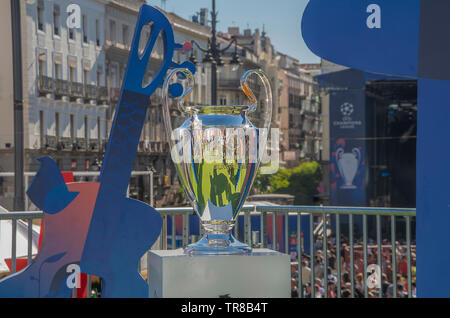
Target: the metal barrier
pixel 325 234
pixel 92 175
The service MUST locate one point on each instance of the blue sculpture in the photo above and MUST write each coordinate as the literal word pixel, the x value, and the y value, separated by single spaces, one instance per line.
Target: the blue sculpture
pixel 94 224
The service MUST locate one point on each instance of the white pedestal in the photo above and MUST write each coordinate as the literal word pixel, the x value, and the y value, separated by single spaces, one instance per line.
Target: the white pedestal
pixel 262 274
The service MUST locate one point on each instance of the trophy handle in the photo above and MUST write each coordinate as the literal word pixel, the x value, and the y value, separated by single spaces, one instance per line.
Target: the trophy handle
pixel 339 153
pixel 176 90
pixel 357 154
pixel 253 101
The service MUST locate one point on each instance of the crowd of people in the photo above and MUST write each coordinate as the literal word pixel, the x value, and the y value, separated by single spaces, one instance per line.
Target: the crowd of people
pixel 375 279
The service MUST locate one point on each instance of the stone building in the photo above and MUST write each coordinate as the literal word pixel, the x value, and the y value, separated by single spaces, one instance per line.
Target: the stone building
pixel 255 51
pixel 72 79
pixel 7 106
pixel 153 153
pixel 65 99
pixel 300 112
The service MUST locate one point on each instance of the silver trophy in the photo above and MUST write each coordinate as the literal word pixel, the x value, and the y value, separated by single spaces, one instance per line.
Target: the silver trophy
pixel 348 164
pixel 216 151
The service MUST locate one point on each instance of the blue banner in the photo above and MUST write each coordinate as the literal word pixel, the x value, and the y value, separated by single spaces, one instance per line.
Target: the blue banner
pixel 348 148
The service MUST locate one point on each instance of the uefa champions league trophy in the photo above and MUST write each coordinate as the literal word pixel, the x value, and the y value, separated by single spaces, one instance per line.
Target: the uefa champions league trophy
pixel 348 164
pixel 217 152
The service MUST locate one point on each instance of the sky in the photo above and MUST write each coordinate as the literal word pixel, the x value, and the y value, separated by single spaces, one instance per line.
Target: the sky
pixel 281 19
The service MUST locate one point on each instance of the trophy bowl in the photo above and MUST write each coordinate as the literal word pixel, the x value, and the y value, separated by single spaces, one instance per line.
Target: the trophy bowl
pixel 216 152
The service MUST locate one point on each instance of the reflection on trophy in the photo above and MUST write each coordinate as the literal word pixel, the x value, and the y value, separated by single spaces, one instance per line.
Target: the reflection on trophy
pixel 348 164
pixel 216 155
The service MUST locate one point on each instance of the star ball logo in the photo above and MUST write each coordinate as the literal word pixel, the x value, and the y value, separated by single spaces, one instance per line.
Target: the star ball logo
pixel 347 109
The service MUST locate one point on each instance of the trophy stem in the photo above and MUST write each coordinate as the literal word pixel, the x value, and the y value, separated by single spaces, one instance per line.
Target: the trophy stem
pixel 218 240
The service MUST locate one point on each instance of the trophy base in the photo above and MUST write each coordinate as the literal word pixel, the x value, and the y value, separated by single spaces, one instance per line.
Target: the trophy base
pixel 218 240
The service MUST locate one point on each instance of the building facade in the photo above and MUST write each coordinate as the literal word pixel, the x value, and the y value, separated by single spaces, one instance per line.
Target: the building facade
pixel 71 81
pixel 255 51
pixel 300 111
pixel 7 104
pixel 153 152
pixel 67 99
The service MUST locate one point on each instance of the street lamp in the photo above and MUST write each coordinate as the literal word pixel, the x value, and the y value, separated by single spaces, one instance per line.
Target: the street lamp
pixel 213 54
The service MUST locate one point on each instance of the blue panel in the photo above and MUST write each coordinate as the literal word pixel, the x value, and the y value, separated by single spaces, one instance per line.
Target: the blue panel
pixel 58 199
pixel 47 178
pixel 337 31
pixel 119 227
pixel 411 42
pixel 114 179
pixel 137 64
pixel 140 226
pixel 433 189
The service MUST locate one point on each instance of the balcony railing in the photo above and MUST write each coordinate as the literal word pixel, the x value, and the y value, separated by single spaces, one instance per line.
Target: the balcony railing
pixel 46 85
pixel 50 142
pixel 81 144
pixel 103 145
pixel 62 87
pixel 91 92
pixel 94 145
pixel 229 83
pixel 114 95
pixel 102 94
pixel 76 90
pixel 312 232
pixel 144 145
pixel 66 143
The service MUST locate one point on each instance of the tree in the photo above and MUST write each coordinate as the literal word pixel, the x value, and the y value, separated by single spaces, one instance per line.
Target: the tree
pixel 301 182
pixel 304 182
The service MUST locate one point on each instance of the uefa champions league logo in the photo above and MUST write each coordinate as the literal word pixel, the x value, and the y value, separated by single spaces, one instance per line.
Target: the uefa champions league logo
pixel 347 109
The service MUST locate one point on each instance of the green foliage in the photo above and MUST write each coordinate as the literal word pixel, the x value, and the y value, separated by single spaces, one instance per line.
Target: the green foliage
pixel 262 183
pixel 301 182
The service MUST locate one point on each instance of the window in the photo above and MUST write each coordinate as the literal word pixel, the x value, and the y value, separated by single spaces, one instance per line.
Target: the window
pixel 203 92
pixel 56 20
pixel 72 126
pixel 97 33
pixel 40 15
pixel 113 76
pixel 85 77
pixel 86 128
pixel 71 34
pixel 41 127
pixel 99 78
pixel 57 125
pixel 125 34
pixel 85 38
pixel 41 67
pixel 223 100
pixel 99 131
pixel 112 30
pixel 71 74
pixel 57 71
